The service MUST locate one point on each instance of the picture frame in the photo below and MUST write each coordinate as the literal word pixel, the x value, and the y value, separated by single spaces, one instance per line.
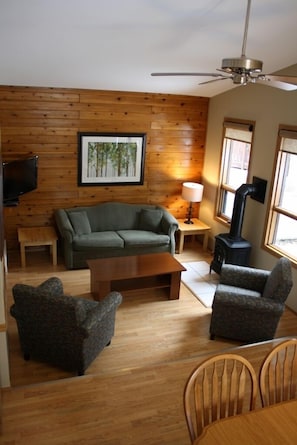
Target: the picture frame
pixel 111 158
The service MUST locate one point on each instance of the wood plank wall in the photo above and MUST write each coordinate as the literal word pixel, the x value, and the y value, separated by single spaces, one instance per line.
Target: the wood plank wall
pixel 45 121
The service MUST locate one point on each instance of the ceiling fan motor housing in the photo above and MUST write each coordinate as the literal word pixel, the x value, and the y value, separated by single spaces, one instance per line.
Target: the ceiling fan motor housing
pixel 242 65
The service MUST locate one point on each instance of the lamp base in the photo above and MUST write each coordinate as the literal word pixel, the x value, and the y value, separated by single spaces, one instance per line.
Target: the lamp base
pixel 189 214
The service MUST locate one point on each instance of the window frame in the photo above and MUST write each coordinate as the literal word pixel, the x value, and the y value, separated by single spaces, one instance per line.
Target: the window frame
pixel 274 209
pixel 223 188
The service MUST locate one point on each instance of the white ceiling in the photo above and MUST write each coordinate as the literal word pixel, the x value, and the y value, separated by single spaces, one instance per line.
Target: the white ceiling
pixel 116 44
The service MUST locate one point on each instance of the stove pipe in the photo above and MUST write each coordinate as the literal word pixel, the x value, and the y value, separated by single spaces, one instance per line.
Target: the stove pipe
pixel 238 210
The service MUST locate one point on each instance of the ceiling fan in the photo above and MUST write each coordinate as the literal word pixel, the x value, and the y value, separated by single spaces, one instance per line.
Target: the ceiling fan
pixel 243 70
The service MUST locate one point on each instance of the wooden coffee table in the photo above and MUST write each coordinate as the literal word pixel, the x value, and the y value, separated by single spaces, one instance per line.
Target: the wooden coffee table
pixel 157 270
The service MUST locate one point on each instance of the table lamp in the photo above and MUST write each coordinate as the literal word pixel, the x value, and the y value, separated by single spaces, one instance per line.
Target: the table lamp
pixel 191 192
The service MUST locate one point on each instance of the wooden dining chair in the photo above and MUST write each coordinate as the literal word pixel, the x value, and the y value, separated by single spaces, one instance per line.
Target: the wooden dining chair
pixel 221 386
pixel 278 374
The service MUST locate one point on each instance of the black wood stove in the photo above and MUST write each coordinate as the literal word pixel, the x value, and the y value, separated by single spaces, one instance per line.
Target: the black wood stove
pixel 231 247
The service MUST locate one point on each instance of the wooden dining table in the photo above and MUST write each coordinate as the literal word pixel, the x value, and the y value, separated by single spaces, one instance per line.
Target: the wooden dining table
pixel 273 425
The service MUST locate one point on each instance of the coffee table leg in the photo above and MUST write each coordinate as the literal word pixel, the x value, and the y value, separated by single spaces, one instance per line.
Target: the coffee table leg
pixel 23 254
pixel 99 289
pixel 54 252
pixel 175 285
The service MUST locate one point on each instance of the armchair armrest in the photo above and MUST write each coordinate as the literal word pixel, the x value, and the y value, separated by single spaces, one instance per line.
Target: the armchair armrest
pixel 96 315
pixel 246 303
pixel 244 277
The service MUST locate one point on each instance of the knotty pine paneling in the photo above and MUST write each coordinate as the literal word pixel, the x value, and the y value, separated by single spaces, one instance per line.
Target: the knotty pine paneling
pixel 45 121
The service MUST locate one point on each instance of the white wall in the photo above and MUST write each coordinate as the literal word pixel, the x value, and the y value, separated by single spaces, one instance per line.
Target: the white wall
pixel 268 107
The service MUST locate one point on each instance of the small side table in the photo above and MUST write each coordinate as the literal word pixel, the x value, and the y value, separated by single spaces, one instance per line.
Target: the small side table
pixel 197 228
pixel 37 236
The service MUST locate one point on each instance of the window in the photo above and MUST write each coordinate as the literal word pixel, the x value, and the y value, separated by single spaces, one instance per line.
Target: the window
pixel 235 159
pixel 281 235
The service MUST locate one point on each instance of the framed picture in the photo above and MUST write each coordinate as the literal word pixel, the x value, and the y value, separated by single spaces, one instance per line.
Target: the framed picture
pixel 111 158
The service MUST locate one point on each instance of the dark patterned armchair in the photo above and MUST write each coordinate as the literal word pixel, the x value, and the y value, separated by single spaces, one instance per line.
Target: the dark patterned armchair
pixel 68 332
pixel 248 302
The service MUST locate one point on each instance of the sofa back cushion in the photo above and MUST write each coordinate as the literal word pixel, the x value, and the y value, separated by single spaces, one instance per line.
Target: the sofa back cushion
pixel 279 283
pixel 80 222
pixel 115 216
pixel 150 219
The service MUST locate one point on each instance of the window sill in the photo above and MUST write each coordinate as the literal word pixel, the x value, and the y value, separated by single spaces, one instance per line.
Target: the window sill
pixel 223 221
pixel 280 253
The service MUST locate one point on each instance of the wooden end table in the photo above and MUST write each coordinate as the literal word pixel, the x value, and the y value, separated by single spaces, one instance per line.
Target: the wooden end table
pixel 151 271
pixel 37 236
pixel 197 228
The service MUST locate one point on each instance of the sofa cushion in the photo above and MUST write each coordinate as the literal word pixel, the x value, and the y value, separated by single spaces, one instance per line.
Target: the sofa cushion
pixel 97 240
pixel 150 219
pixel 143 238
pixel 113 216
pixel 80 222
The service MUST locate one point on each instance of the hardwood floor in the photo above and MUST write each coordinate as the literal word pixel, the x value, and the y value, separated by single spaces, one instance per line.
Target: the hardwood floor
pixel 132 393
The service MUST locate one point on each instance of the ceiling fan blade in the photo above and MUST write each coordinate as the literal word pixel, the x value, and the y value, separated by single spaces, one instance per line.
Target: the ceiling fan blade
pixel 287 83
pixel 287 79
pixel 215 80
pixel 276 84
pixel 188 74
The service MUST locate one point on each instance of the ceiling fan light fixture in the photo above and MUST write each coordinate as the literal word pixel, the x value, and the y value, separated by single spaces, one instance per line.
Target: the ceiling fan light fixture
pixel 240 79
pixel 242 64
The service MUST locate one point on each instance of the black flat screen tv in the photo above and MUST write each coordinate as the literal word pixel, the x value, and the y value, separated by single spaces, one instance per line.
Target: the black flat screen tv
pixel 19 177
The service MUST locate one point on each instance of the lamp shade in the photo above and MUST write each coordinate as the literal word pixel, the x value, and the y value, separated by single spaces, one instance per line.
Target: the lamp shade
pixel 192 192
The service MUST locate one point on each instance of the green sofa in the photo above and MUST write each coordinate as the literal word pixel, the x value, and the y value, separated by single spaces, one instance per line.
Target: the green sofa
pixel 114 229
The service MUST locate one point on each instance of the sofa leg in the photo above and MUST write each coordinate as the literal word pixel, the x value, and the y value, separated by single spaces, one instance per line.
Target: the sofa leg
pixel 108 344
pixel 26 356
pixel 80 372
pixel 212 336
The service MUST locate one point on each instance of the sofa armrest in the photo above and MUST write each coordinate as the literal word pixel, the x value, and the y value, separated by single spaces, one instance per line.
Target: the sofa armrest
pixel 244 277
pixel 64 225
pixel 169 225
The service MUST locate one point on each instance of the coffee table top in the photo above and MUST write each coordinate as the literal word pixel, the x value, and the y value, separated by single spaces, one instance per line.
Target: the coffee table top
pixel 119 268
